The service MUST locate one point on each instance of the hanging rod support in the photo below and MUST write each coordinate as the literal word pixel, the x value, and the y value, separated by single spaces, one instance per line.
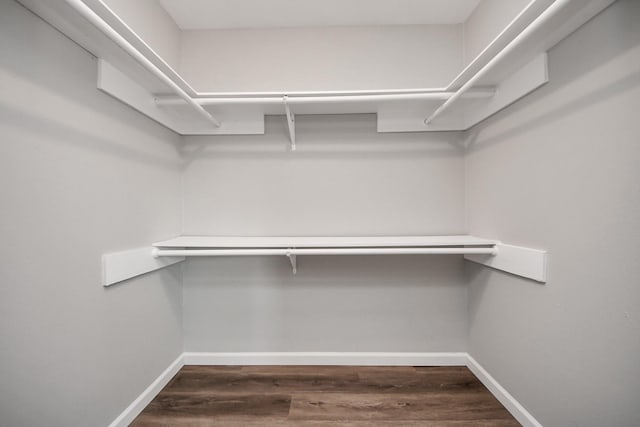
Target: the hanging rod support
pixel 112 34
pixel 291 122
pixel 293 261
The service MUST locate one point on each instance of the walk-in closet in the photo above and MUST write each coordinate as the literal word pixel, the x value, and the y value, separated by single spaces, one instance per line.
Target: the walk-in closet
pixel 319 213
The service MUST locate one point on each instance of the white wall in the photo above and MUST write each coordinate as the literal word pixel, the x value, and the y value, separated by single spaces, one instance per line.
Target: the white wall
pixel 73 165
pixel 488 19
pixel 344 179
pixel 332 58
pixel 349 303
pixel 559 171
pixel 153 24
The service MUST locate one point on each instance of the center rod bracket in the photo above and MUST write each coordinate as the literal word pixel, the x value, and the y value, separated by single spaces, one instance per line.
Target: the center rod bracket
pixel 291 122
pixel 293 261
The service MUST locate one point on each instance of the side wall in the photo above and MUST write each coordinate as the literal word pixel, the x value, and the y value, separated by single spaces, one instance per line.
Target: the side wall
pixel 345 179
pixel 153 24
pixel 486 22
pixel 81 175
pixel 317 59
pixel 559 171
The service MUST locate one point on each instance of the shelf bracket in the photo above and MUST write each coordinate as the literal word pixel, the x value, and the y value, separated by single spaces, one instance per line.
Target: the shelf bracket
pixel 291 122
pixel 525 262
pixel 293 261
pixel 124 265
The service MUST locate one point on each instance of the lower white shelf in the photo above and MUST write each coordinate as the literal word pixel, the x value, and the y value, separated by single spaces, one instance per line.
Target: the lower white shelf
pixel 291 247
pixel 525 262
pixel 489 250
pixel 246 242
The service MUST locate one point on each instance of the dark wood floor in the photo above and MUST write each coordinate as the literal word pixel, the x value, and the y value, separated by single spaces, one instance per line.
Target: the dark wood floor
pixel 324 395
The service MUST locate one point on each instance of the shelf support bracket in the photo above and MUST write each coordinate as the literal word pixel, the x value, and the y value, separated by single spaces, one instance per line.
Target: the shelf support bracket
pixel 291 122
pixel 293 261
pixel 124 265
pixel 525 262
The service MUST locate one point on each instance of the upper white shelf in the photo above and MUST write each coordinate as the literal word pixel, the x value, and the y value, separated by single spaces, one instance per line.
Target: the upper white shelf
pixel 322 242
pixel 512 65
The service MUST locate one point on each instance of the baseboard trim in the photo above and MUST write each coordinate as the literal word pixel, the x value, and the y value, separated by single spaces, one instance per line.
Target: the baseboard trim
pixel 327 358
pixel 141 402
pixel 508 401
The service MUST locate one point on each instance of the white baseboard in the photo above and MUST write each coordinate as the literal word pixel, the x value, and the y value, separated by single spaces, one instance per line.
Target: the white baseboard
pixel 136 407
pixel 327 358
pixel 508 401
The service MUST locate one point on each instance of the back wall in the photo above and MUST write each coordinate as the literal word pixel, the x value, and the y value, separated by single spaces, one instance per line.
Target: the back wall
pixel 345 179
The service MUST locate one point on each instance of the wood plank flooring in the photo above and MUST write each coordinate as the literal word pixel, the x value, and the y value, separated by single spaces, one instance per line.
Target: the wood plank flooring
pixel 349 396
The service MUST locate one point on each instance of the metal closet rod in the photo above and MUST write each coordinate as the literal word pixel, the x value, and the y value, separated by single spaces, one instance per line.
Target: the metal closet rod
pixel 508 49
pixel 112 34
pixel 197 103
pixel 159 252
pixel 334 98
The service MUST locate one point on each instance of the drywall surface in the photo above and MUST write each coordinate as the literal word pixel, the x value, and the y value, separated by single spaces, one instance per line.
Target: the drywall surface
pixel 344 179
pixel 153 24
pixel 82 175
pixel 334 303
pixel 486 22
pixel 316 59
pixel 559 171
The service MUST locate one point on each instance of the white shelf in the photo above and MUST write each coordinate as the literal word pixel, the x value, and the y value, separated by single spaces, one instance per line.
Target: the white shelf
pixel 512 66
pixel 291 247
pixel 283 242
pixel 525 262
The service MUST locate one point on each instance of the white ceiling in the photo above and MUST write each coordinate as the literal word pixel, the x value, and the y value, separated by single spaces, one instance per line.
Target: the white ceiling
pixel 219 14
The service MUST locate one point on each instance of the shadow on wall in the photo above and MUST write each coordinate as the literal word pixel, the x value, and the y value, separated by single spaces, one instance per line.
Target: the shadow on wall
pixel 41 96
pixel 591 47
pixel 169 280
pixel 51 131
pixel 171 284
pixel 46 70
pixel 479 277
pixel 472 139
pixel 333 271
pixel 348 136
